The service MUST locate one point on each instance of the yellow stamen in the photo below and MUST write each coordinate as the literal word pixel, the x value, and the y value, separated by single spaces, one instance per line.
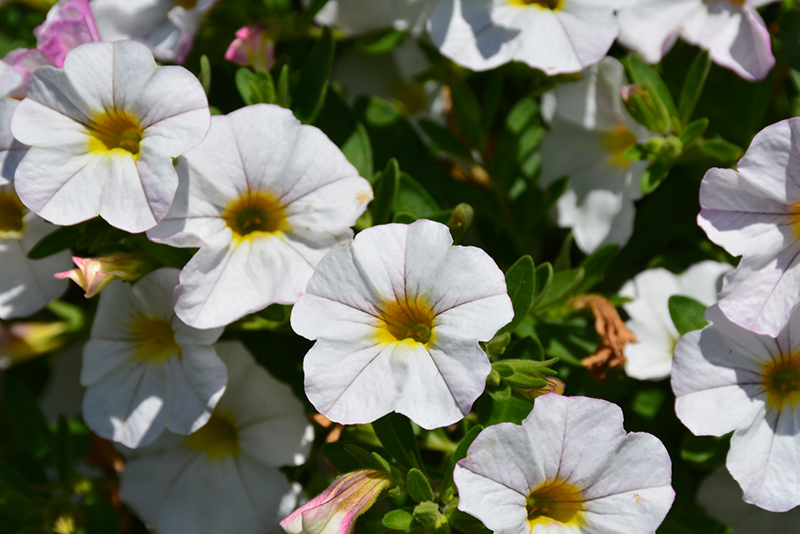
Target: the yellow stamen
pixel 115 130
pixel 553 5
pixel 154 338
pixel 781 380
pixel 218 439
pixel 555 502
pixel 403 320
pixel 254 214
pixel 616 142
pixel 11 213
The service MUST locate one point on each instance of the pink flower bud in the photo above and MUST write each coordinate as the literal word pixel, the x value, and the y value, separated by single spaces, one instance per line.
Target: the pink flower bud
pixel 93 274
pixel 253 47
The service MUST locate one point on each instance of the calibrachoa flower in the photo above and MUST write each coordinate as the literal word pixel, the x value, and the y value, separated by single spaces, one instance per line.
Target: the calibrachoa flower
pixel 103 132
pixel 264 198
pixel 254 46
pixel 650 358
pixel 755 213
pixel 94 274
pixel 168 27
pixel 11 150
pixel 722 498
pixel 397 316
pixel 570 467
pixel 728 379
pixel 590 130
pixel 69 23
pixel 145 370
pixel 731 30
pixel 26 286
pixel 224 477
pixel 554 36
pixel 335 510
pixel 363 16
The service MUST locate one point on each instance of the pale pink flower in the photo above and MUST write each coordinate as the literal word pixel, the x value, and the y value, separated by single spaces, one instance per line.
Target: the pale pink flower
pixel 253 47
pixel 93 274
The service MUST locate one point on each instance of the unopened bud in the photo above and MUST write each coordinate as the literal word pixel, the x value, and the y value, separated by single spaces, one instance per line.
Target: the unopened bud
pixel 93 274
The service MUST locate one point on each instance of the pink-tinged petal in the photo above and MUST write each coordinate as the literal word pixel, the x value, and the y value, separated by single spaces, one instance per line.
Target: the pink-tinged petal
pixel 69 24
pixel 335 510
pixel 11 150
pixel 253 46
pixel 650 27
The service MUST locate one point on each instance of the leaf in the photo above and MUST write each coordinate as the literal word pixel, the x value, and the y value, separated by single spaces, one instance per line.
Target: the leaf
pixel 445 139
pixel 687 314
pixel 706 450
pixel 402 519
pixel 101 517
pixel 542 281
pixel 205 73
pixel 283 98
pixel 645 75
pixel 595 267
pixel 339 123
pixel 418 486
pixel 790 37
pixel 312 85
pixel 721 150
pixel 521 288
pixel 366 459
pixel 255 87
pixel 339 457
pixel 397 437
pixel 467 110
pixel 381 41
pixel 460 453
pixel 563 283
pixel 56 241
pixel 413 199
pixel 693 85
pixel 693 131
pixel 385 193
pixel 169 256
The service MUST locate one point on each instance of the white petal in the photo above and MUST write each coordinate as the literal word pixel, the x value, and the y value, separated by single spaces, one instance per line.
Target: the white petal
pixel 650 27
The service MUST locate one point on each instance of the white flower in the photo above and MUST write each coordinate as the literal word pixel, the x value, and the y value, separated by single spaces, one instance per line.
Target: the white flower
pixel 650 358
pixel 755 213
pixel 731 30
pixel 397 317
pixel 363 16
pixel 264 198
pixel 145 370
pixel 103 132
pixel 722 498
pixel 26 286
pixel 168 27
pixel 570 468
pixel 555 36
pixel 224 478
pixel 11 150
pixel 590 129
pixel 728 379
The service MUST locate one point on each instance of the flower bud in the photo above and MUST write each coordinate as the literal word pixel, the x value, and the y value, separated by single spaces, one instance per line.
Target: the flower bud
pixel 22 341
pixel 93 274
pixel 646 107
pixel 253 47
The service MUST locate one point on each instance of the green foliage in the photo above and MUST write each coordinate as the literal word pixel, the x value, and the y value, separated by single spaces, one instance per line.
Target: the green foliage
pixel 687 314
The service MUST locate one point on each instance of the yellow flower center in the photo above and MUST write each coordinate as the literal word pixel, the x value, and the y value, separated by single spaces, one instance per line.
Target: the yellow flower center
pixel 403 320
pixel 11 214
pixel 553 5
pixel 794 218
pixel 255 213
pixel 218 439
pixel 616 142
pixel 115 130
pixel 155 339
pixel 781 380
pixel 555 502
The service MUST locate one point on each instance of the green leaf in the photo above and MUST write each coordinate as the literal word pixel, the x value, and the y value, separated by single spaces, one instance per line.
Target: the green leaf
pixel 687 314
pixel 339 457
pixel 339 123
pixel 397 437
pixel 595 267
pixel 721 150
pixel 56 241
pixel 563 283
pixel 461 453
pixel 705 450
pixel 255 87
pixel 101 518
pixel 381 41
pixel 464 522
pixel 366 459
pixel 205 73
pixel 418 486
pixel 312 85
pixel 790 37
pixel 445 139
pixel 413 199
pixel 645 75
pixel 563 261
pixel 27 422
pixel 543 279
pixel 386 192
pixel 402 519
pixel 62 453
pixel 467 110
pixel 169 256
pixel 283 98
pixel 693 131
pixel 521 288
pixel 693 85
pixel 527 348
pixel 648 402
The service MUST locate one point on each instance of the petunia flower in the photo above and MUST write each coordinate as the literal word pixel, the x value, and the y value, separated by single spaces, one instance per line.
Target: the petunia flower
pixel 69 23
pixel 254 46
pixel 335 510
pixel 264 198
pixel 650 357
pixel 722 499
pixel 103 132
pixel 731 30
pixel 570 467
pixel 590 129
pixel 94 274
pixel 397 316
pixel 224 477
pixel 26 286
pixel 168 27
pixel 145 370
pixel 555 36
pixel 728 379
pixel 11 150
pixel 363 16
pixel 754 212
